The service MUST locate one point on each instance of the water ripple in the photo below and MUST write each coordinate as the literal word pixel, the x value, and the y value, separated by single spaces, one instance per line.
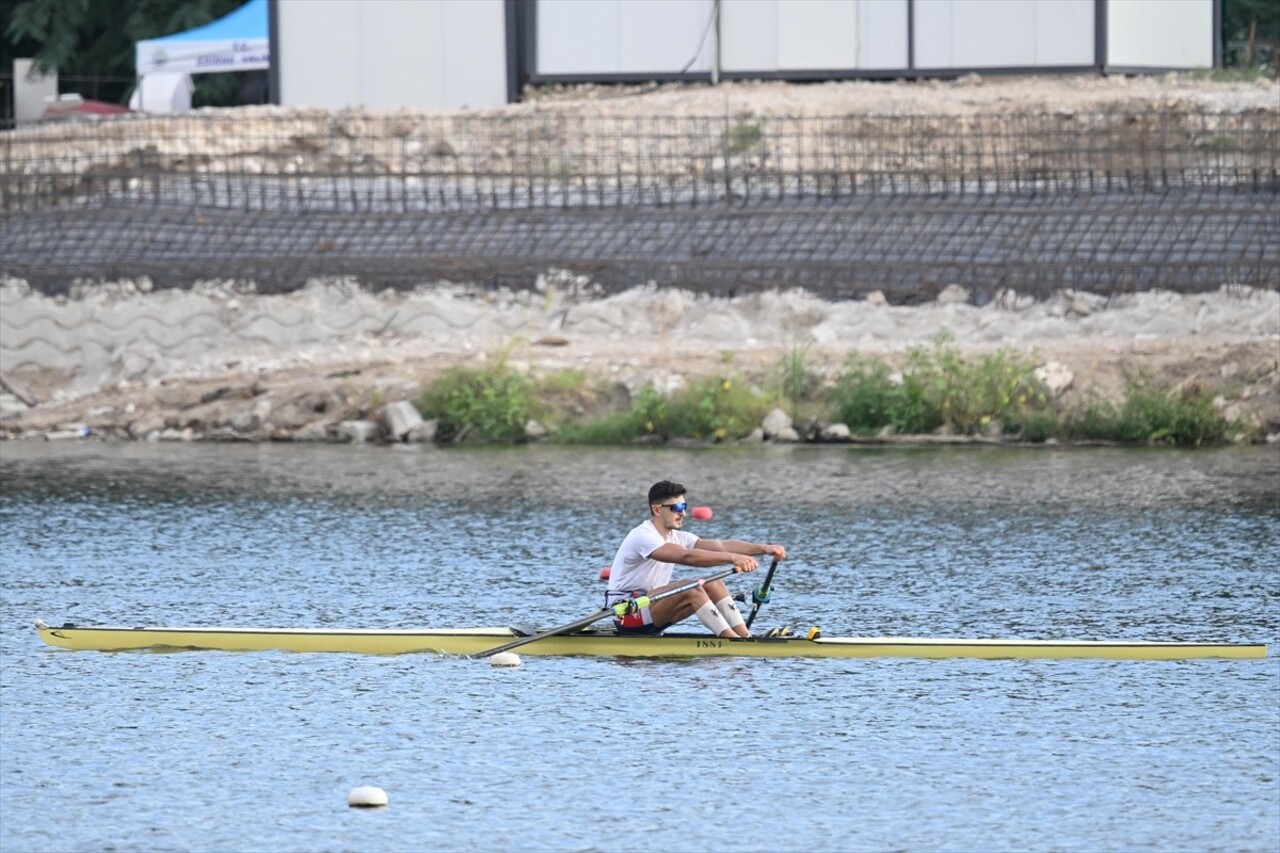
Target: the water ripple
pixel 217 751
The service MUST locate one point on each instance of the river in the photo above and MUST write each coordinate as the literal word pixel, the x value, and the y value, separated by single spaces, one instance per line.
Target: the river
pixel 206 751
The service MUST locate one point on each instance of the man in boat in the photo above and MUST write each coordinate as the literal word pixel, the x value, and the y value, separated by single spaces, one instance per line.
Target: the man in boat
pixel 646 559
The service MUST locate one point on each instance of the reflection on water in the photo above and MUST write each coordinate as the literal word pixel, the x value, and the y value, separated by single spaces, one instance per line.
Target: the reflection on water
pixel 826 478
pixel 211 751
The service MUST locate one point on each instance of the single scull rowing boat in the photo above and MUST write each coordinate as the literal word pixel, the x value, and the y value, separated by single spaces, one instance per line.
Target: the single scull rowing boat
pixel 606 643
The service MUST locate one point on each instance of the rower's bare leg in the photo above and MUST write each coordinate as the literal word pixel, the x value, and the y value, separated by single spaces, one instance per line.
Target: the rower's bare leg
pixel 677 608
pixel 718 592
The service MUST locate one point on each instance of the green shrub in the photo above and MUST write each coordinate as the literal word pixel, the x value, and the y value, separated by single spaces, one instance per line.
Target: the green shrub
pixel 865 399
pixel 742 137
pixel 564 380
pixel 606 430
pixel 939 388
pixel 1004 388
pixel 967 396
pixel 1033 426
pixel 712 409
pixel 1182 417
pixel 1093 420
pixel 490 403
pixel 796 383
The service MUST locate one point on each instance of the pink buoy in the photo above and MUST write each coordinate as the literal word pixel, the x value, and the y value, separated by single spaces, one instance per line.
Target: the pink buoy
pixel 604 573
pixel 702 513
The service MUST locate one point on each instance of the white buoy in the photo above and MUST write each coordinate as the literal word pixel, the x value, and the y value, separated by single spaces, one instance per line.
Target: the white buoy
pixel 505 659
pixel 367 797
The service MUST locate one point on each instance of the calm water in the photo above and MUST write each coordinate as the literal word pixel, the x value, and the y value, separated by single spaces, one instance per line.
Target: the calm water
pixel 237 752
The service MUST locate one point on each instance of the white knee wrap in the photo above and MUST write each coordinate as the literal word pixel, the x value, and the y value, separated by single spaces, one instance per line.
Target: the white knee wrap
pixel 729 610
pixel 710 616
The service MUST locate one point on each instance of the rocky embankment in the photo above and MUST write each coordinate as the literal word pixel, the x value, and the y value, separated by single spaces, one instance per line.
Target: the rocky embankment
pixel 352 363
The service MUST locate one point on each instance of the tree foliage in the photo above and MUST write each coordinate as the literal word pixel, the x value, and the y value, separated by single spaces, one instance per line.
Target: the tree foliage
pixel 96 38
pixel 1244 22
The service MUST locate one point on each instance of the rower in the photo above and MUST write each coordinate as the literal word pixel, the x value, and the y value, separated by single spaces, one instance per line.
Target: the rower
pixel 646 560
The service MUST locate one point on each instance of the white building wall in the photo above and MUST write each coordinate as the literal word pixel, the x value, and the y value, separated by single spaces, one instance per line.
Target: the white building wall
pixel 422 54
pixel 445 54
pixel 817 34
pixel 30 90
pixel 1167 34
pixel 748 35
pixel 624 36
pixel 1000 33
pixel 882 31
pixel 583 37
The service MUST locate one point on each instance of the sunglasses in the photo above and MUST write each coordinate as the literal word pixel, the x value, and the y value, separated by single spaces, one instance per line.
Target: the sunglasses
pixel 680 507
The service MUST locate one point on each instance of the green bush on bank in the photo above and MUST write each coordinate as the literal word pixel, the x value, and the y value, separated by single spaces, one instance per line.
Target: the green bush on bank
pixel 491 404
pixel 712 409
pixel 937 389
pixel 1181 417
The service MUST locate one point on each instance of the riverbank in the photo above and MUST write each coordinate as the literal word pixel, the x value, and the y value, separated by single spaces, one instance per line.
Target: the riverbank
pixel 303 366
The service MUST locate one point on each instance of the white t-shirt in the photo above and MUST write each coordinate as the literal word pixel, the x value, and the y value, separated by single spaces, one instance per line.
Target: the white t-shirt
pixel 633 570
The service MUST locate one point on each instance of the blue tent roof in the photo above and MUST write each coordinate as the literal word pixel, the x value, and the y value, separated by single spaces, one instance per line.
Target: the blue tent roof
pixel 247 22
pixel 235 42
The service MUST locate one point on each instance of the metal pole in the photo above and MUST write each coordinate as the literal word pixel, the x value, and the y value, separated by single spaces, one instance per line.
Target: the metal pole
pixel 715 60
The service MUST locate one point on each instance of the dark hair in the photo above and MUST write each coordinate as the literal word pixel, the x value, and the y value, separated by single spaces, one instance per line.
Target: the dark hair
pixel 659 492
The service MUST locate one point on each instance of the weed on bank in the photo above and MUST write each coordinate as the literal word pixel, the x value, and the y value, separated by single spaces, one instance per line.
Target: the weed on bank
pixel 936 391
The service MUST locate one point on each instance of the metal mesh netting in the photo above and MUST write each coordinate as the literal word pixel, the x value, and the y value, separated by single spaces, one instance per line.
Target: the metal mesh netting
pixel 839 206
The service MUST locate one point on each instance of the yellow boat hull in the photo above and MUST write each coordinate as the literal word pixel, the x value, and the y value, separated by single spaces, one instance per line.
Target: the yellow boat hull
pixel 606 643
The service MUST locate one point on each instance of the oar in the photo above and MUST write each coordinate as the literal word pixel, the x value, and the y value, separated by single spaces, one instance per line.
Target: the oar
pixel 620 609
pixel 760 594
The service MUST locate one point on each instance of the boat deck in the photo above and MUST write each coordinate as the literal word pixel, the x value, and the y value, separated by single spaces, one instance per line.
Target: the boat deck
pixel 607 643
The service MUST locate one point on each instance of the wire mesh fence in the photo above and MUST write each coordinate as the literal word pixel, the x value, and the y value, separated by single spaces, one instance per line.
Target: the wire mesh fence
pixel 1184 200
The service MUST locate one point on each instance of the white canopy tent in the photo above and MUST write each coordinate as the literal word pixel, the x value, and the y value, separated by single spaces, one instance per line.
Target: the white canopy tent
pixel 234 42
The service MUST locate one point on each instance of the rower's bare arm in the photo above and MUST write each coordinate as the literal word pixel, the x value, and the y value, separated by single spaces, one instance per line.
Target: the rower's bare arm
pixel 703 558
pixel 738 546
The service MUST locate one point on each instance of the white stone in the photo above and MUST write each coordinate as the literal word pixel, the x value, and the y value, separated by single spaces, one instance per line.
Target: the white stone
pixel 788 435
pixel 836 432
pixel 876 297
pixel 401 417
pixel 358 432
pixel 423 433
pixel 953 294
pixel 312 432
pixel 367 796
pixel 245 422
pixel 1057 377
pixel 775 422
pixel 534 430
